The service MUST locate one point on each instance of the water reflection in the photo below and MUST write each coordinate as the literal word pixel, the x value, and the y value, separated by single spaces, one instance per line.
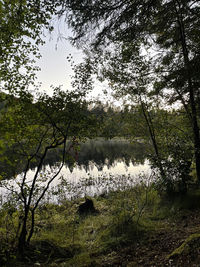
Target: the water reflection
pixel 94 181
pixel 104 153
pixel 101 166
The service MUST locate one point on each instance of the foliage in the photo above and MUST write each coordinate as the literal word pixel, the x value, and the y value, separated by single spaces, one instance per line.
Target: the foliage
pixel 31 130
pixel 147 51
pixel 21 26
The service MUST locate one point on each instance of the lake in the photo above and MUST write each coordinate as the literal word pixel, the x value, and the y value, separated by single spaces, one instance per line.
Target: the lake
pixel 101 166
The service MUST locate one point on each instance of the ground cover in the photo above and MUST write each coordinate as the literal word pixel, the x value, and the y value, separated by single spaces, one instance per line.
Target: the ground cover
pixel 137 227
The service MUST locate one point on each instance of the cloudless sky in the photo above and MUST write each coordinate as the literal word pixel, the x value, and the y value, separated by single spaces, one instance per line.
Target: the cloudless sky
pixel 55 69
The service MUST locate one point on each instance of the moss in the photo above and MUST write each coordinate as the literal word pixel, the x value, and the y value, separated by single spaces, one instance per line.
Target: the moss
pixel 189 246
pixel 82 260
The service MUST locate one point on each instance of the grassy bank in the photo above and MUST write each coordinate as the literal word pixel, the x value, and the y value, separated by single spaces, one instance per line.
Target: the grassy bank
pixel 137 227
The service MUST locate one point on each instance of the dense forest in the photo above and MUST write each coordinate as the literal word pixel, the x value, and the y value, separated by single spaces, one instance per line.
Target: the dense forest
pixel 148 55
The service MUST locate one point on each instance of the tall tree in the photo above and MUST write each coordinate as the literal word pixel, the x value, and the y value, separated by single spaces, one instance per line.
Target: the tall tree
pixel 168 30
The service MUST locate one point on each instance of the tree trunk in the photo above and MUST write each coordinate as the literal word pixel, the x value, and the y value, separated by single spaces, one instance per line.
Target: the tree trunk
pixel 23 234
pixel 195 126
pixel 32 225
pixel 153 139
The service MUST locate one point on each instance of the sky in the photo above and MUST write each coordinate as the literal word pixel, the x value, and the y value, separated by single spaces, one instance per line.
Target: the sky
pixel 55 69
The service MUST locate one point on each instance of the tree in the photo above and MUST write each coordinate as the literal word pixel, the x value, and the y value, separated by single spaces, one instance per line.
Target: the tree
pixel 167 30
pixel 32 130
pixel 21 26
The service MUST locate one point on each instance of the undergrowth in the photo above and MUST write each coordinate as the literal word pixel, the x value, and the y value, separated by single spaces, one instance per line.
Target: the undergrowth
pixel 62 237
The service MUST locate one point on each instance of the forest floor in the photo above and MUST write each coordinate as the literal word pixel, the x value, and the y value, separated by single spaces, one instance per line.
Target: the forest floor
pixel 166 233
pixel 156 247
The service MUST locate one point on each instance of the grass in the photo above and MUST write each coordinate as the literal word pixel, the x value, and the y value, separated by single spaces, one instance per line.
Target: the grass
pixel 124 220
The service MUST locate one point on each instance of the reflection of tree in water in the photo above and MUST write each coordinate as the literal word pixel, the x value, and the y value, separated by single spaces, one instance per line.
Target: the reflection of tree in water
pixel 104 152
pixel 101 152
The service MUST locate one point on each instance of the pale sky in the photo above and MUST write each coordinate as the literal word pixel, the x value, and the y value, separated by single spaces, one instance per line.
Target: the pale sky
pixel 55 69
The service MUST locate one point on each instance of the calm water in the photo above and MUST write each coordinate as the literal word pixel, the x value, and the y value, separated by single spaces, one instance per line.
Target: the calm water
pixel 101 166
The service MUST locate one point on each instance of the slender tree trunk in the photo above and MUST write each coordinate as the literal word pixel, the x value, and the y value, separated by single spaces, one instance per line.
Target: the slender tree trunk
pixel 153 139
pixel 23 234
pixel 195 126
pixel 32 225
pixel 198 100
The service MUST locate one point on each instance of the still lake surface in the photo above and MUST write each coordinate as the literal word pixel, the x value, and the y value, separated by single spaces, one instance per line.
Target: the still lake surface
pixel 101 166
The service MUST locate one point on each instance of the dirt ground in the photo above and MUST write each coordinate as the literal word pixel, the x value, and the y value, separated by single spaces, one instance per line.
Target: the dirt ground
pixel 158 245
